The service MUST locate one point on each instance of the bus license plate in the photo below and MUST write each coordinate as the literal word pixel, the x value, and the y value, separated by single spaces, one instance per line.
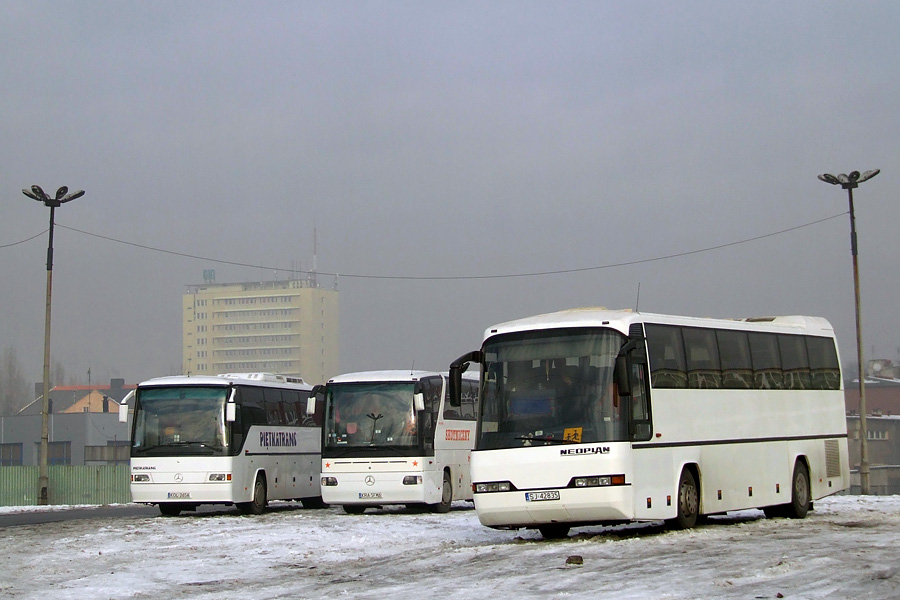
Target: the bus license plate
pixel 369 495
pixel 179 495
pixel 541 496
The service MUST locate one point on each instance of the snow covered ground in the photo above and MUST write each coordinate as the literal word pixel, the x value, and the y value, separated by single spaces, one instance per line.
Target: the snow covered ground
pixel 847 548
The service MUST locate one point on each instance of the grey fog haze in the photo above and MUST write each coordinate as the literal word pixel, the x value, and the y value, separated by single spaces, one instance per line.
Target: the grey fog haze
pixel 461 164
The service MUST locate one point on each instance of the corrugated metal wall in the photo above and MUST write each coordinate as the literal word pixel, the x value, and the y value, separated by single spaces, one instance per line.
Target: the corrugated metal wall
pixel 75 484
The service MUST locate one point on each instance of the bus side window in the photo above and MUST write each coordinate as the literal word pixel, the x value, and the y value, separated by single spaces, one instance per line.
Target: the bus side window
pixel 794 362
pixel 766 359
pixel 431 389
pixel 666 348
pixel 253 407
pixel 452 407
pixel 702 353
pixel 640 405
pixel 825 372
pixel 274 406
pixel 734 354
pixel 468 401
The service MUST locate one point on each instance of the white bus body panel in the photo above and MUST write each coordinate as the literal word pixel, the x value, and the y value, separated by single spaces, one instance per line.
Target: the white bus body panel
pixel 379 480
pixel 370 481
pixel 288 456
pixel 545 468
pixel 745 458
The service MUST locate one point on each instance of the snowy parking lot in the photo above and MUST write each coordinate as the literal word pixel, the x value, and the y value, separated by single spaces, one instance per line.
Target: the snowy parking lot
pixel 846 548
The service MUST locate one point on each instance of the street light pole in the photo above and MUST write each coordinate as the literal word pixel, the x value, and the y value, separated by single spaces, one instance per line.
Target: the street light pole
pixel 62 196
pixel 849 183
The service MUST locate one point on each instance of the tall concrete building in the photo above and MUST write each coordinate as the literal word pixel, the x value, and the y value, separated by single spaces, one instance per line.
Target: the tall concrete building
pixel 286 327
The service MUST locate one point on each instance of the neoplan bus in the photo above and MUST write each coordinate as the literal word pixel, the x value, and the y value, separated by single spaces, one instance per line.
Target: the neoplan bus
pixel 241 439
pixel 591 416
pixel 394 437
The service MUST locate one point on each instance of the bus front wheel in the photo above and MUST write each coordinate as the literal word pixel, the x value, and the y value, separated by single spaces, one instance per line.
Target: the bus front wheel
pixel 169 509
pixel 688 502
pixel 446 495
pixel 555 531
pixel 258 505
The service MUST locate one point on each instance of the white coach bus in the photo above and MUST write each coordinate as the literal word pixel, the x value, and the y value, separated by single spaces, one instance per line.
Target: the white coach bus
pixel 239 438
pixel 394 437
pixel 592 416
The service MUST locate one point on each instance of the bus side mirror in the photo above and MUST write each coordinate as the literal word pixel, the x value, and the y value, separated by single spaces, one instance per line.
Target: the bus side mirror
pixel 457 368
pixel 123 413
pixel 231 412
pixel 311 401
pixel 419 401
pixel 623 374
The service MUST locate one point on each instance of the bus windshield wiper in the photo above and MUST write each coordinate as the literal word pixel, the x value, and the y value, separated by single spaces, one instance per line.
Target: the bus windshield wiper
pixel 548 440
pixel 193 443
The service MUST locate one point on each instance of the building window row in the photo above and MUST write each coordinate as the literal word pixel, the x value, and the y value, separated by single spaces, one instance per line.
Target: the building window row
pixel 276 366
pixel 255 300
pixel 269 312
pixel 256 352
pixel 255 326
pixel 254 339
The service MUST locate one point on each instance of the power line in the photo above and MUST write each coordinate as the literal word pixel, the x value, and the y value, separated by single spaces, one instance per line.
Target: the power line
pixel 460 277
pixel 25 240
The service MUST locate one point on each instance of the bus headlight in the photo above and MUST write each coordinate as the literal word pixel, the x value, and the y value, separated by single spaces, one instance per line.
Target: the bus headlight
pixel 412 480
pixel 493 486
pixel 220 476
pixel 329 481
pixel 140 478
pixel 599 481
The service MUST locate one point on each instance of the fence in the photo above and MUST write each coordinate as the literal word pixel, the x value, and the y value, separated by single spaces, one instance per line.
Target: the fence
pixel 68 484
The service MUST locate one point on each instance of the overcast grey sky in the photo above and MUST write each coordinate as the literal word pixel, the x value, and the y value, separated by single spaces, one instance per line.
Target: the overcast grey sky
pixel 436 139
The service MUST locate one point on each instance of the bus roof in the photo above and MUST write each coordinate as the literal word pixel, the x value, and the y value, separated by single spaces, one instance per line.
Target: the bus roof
pixel 227 379
pixel 620 320
pixel 396 375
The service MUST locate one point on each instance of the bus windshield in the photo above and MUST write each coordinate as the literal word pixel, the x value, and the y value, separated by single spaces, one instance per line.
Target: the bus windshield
pixel 370 414
pixel 186 420
pixel 551 387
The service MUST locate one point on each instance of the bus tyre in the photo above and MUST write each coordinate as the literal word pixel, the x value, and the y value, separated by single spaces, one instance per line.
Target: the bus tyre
pixel 354 509
pixel 800 494
pixel 169 509
pixel 258 505
pixel 315 502
pixel 555 531
pixel 446 495
pixel 688 502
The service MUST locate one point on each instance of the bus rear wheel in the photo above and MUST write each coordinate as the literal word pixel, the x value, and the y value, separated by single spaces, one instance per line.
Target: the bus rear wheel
pixel 800 494
pixel 688 499
pixel 354 509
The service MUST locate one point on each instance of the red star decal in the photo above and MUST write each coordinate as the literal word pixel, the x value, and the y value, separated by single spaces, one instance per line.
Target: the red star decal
pixel 415 463
pixel 327 465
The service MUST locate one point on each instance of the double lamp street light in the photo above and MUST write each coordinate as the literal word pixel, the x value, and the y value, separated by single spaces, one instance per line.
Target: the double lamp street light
pixel 62 196
pixel 849 183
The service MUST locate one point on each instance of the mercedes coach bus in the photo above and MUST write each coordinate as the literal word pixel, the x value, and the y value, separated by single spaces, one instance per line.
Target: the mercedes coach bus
pixel 240 438
pixel 395 437
pixel 592 416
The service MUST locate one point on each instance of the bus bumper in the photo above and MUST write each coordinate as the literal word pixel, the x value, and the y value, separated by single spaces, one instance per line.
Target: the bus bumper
pixel 583 505
pixel 379 488
pixel 154 493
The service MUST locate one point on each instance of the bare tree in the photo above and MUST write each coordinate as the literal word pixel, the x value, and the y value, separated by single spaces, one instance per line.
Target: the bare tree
pixel 14 389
